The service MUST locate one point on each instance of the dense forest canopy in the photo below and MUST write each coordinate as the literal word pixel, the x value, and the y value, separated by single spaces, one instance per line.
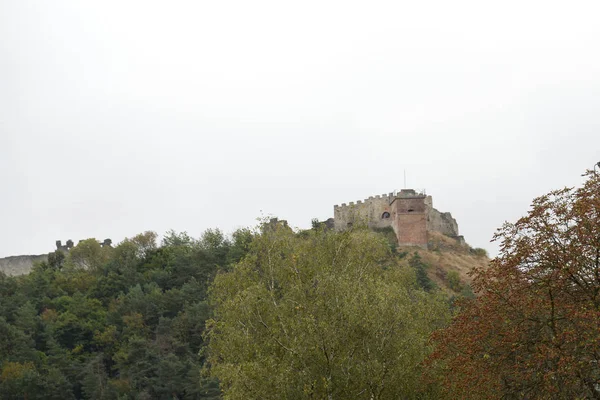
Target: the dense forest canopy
pixel 130 321
pixel 114 323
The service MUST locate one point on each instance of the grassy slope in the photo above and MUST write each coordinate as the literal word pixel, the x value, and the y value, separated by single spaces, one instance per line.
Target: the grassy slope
pixel 446 254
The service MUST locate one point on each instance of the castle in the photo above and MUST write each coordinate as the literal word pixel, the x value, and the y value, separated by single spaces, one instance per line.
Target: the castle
pixel 410 214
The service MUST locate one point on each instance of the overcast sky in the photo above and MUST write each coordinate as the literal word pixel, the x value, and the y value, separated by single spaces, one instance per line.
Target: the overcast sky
pixel 118 117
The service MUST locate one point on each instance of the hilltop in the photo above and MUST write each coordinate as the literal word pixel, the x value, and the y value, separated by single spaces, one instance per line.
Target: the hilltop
pixel 414 227
pixel 132 319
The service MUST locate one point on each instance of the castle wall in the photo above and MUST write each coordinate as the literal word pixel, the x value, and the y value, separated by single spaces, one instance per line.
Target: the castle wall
pixel 409 205
pixel 442 222
pixel 369 211
pixel 412 230
pixel 411 214
pixel 20 265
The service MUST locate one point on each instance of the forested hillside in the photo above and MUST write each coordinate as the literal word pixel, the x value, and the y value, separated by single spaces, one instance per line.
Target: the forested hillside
pixel 107 323
pixel 274 313
pixel 129 322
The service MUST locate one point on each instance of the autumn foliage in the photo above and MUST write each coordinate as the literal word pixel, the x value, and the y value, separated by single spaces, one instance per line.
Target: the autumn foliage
pixel 534 330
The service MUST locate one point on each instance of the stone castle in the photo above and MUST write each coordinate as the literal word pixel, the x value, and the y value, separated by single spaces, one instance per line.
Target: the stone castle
pixel 409 213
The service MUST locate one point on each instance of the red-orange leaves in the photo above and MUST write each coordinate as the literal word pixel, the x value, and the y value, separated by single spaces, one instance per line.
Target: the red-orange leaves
pixel 534 329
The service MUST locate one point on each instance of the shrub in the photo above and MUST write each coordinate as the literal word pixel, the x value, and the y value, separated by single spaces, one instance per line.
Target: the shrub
pixel 479 252
pixel 453 280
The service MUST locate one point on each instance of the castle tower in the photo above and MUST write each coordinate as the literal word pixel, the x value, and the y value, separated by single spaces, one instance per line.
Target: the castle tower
pixel 409 218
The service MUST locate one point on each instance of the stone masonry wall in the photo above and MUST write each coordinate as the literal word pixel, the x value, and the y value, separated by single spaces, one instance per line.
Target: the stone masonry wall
pixel 369 211
pixel 442 222
pixel 20 265
pixel 382 211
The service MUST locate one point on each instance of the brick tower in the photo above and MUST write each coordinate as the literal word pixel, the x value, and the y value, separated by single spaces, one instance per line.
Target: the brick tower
pixel 409 218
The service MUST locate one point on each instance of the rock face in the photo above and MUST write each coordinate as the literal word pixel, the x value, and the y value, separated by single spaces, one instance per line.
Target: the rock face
pixel 20 265
pixel 409 213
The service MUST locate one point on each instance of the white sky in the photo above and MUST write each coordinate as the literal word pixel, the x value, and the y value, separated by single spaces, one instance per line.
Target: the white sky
pixel 118 117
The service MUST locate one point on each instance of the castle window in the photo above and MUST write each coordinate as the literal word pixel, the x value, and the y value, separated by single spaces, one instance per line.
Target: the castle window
pixel 410 210
pixel 385 215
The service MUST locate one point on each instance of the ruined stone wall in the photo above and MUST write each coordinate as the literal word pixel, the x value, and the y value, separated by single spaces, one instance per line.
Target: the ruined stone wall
pixel 440 222
pixel 370 211
pixel 20 265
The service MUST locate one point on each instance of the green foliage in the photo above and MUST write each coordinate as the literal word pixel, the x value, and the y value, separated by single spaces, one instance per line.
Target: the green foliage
pixel 423 280
pixel 114 323
pixel 314 314
pixel 88 255
pixel 15 345
pixel 479 252
pixel 56 259
pixel 241 240
pixel 389 235
pixel 321 315
pixel 453 280
pixel 467 292
pixel 315 224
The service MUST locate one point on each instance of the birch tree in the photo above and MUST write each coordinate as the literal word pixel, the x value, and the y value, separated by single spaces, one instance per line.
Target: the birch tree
pixel 321 315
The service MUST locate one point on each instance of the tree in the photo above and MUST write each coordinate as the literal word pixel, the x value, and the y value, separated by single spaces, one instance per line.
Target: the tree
pixel 56 259
pixel 320 315
pixel 103 323
pixel 421 272
pixel 533 330
pixel 15 345
pixel 88 255
pixel 95 380
pixel 20 381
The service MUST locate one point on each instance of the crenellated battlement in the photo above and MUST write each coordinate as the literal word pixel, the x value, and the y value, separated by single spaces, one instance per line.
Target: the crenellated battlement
pixel 69 245
pixel 387 197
